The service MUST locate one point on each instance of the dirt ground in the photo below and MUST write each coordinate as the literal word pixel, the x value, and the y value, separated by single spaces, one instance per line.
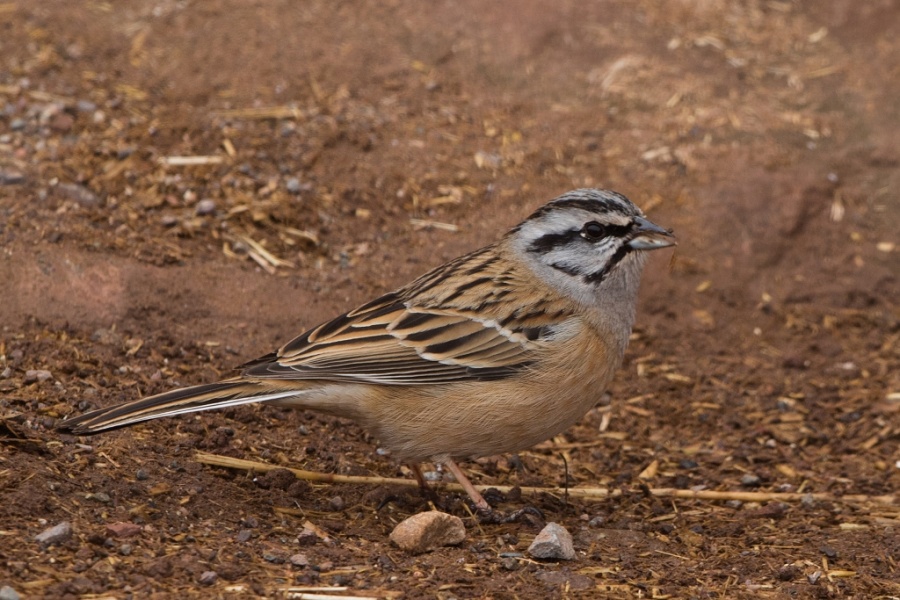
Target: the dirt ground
pixel 342 148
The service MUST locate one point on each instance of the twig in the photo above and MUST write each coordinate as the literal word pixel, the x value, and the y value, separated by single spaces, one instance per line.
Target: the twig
pixel 270 258
pixel 249 465
pixel 425 223
pixel 313 596
pixel 190 161
pixel 585 493
pixel 272 112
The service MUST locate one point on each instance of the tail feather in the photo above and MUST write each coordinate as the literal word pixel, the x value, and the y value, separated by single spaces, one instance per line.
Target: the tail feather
pixel 209 396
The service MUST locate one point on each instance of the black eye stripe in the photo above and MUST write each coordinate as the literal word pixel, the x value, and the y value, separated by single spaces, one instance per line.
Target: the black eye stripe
pixel 551 241
pixel 609 230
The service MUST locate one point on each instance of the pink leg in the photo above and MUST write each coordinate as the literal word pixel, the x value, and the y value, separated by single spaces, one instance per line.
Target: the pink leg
pixel 475 495
pixel 417 471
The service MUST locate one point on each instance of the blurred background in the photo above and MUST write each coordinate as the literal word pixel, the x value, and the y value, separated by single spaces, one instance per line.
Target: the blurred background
pixel 186 185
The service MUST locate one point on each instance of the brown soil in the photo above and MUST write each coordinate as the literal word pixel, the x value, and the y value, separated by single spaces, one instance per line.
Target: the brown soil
pixel 766 356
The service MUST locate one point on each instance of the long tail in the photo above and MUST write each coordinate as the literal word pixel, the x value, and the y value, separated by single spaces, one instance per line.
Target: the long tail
pixel 231 392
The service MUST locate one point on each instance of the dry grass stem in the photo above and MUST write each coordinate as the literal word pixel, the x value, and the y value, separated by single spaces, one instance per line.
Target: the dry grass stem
pixel 326 596
pixel 426 223
pixel 585 493
pixel 271 112
pixel 190 161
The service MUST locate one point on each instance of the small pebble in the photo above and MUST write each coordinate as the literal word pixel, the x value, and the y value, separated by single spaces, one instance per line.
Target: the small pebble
pixel 553 542
pixel 126 549
pixel 336 503
pixel 17 124
pixel 244 535
pixel 208 577
pixel 433 475
pixel 56 534
pixel 687 463
pixel 597 522
pixel 787 572
pixel 206 206
pixel 293 185
pixel 509 563
pixel 79 194
pixel 273 558
pixel 123 530
pixel 750 480
pixel 39 375
pixel 299 560
pixel 307 537
pixel 6 373
pixel 7 593
pixel 141 475
pixel 85 106
pixel 666 528
pixel 11 177
pixel 428 530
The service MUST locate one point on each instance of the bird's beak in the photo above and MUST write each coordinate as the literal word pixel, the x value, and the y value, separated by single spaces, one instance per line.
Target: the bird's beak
pixel 646 235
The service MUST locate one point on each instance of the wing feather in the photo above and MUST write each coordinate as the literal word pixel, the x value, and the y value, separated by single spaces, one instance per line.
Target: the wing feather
pixel 414 347
pixel 453 324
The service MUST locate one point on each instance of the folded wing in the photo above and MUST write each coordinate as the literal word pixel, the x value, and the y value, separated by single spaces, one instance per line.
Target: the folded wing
pixel 390 342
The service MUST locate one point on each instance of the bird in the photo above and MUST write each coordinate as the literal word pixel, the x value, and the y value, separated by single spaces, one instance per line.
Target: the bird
pixel 490 353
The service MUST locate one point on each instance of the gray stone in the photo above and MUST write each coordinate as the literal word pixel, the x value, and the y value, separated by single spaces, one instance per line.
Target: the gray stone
pixel 56 534
pixel 750 480
pixel 33 375
pixel 208 577
pixel 554 542
pixel 85 106
pixel 79 194
pixel 244 535
pixel 293 185
pixel 7 593
pixel 206 206
pixel 11 177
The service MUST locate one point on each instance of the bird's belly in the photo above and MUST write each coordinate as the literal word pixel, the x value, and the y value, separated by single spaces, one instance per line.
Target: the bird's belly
pixel 476 419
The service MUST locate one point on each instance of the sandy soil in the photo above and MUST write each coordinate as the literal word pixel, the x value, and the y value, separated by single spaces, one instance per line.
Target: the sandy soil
pixel 348 147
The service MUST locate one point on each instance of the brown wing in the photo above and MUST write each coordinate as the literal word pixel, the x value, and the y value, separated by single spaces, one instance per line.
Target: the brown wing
pixel 391 342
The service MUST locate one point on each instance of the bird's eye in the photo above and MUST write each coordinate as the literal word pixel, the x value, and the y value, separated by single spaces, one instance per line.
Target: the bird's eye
pixel 593 231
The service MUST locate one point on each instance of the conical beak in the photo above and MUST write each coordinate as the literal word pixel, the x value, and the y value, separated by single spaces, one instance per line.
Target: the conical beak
pixel 646 235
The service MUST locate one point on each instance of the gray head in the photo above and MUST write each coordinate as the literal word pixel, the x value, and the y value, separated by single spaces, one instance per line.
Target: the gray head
pixel 590 244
